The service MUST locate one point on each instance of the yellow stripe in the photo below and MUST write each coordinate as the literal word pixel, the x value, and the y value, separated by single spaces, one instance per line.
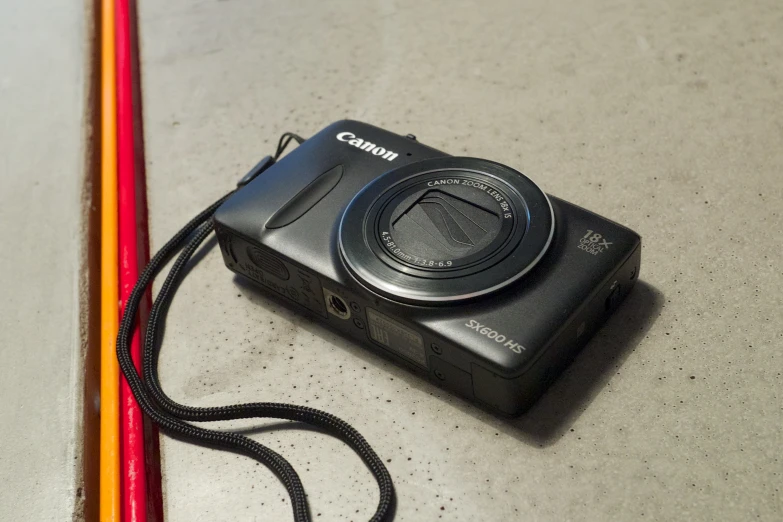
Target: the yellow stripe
pixel 110 374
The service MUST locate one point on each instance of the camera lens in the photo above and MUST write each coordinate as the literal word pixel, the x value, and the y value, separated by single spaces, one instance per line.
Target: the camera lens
pixel 445 229
pixel 446 221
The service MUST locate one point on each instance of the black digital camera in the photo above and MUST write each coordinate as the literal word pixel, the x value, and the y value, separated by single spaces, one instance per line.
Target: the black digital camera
pixel 461 269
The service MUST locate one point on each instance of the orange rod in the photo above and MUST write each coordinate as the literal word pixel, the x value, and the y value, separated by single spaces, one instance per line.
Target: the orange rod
pixel 110 373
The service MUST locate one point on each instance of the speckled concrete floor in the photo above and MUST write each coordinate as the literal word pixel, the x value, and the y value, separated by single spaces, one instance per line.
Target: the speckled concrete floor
pixel 43 84
pixel 666 117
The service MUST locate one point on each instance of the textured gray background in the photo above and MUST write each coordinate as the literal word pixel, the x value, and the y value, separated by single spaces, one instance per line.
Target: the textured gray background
pixel 664 116
pixel 43 81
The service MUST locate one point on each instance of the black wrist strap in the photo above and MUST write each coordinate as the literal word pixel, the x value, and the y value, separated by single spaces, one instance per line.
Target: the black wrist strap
pixel 174 419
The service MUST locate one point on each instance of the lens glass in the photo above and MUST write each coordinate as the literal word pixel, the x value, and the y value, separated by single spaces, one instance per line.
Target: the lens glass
pixel 445 221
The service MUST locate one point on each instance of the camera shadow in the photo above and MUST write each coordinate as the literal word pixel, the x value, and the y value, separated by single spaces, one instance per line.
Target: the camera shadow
pixel 572 392
pixel 560 405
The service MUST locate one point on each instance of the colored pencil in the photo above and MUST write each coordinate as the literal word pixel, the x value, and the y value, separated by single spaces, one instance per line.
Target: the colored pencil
pixel 110 374
pixel 134 488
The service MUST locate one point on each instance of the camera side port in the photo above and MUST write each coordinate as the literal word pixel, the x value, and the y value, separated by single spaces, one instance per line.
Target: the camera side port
pixel 614 298
pixel 336 305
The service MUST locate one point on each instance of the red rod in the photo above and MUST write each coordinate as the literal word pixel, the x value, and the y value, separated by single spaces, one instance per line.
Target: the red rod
pixel 133 472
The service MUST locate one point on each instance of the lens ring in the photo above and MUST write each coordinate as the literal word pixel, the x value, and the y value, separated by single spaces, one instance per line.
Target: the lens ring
pixel 503 257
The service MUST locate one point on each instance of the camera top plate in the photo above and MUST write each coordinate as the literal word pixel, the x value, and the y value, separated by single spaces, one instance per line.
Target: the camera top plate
pixel 445 230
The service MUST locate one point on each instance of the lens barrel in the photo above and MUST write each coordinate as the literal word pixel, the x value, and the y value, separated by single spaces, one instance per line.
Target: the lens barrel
pixel 445 230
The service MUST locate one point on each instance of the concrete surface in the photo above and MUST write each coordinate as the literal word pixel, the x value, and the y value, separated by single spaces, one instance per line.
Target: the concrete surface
pixel 665 116
pixel 43 71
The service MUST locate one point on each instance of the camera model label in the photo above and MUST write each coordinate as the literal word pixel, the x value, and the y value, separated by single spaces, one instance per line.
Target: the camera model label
pixel 497 196
pixel 594 243
pixel 404 341
pixel 499 338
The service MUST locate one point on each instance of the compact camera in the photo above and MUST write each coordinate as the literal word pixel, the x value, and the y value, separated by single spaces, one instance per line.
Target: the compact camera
pixel 461 269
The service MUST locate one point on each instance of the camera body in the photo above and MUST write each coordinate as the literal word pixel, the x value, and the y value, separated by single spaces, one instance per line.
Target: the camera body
pixel 460 269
